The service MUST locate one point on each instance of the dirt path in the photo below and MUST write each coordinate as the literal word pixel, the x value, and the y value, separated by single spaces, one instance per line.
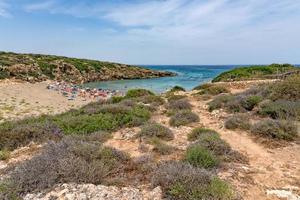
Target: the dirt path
pixel 269 169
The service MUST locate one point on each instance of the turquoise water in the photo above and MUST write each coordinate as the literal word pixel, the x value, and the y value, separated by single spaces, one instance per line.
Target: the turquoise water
pixel 188 77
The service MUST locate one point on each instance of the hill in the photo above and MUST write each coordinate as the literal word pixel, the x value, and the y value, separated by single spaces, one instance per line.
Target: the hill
pixel 256 72
pixel 37 67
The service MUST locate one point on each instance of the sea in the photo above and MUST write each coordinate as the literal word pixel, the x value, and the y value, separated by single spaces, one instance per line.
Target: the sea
pixel 188 77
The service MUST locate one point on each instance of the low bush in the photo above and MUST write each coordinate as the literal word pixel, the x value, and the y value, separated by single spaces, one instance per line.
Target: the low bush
pixel 154 130
pixel 152 100
pixel 182 181
pixel 70 160
pixel 134 93
pixel 288 89
pixel 183 118
pixel 4 154
pixel 203 86
pixel 180 104
pixel 250 102
pixel 177 89
pixel 161 147
pixel 175 97
pixel 281 109
pixel 238 121
pixel 219 102
pixel 199 156
pixel 276 129
pixel 197 132
pixel 20 133
pixel 214 90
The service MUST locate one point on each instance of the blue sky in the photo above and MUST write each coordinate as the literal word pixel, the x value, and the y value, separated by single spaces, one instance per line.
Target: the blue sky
pixel 155 31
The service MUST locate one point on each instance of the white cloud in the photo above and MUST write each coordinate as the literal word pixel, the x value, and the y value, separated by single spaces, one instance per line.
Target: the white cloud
pixel 4 9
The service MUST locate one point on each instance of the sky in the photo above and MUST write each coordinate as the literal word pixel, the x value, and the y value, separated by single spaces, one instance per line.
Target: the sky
pixel 155 31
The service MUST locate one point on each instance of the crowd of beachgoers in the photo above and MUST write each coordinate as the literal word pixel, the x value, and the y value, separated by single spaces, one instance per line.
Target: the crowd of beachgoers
pixel 72 91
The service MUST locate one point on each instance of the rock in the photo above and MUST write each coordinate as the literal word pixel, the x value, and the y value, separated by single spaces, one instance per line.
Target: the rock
pixel 96 192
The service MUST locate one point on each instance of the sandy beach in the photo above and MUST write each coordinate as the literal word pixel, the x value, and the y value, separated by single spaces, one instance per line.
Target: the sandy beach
pixel 21 99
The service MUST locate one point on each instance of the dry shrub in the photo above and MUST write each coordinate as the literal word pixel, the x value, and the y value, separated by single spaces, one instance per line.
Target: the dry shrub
pixel 183 118
pixel 219 102
pixel 173 97
pixel 180 104
pixel 281 109
pixel 161 147
pixel 21 133
pixel 276 129
pixel 154 130
pixel 70 160
pixel 288 89
pixel 134 93
pixel 238 121
pixel 214 90
pixel 182 181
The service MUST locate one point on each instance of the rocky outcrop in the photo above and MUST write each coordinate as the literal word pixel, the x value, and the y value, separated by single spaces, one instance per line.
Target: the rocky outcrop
pixel 96 192
pixel 36 68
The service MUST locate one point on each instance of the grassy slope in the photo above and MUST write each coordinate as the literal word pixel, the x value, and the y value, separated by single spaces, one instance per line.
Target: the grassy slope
pixel 254 72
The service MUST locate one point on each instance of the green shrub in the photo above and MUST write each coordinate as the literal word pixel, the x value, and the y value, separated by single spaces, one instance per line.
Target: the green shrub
pixel 219 101
pixel 199 156
pixel 180 104
pixel 116 99
pixel 214 90
pixel 253 72
pixel 134 93
pixel 183 118
pixel 177 89
pixel 238 121
pixel 161 147
pixel 70 160
pixel 182 181
pixel 197 132
pixel 276 129
pixel 251 101
pixel 203 86
pixel 4 154
pixel 152 100
pixel 281 109
pixel 154 130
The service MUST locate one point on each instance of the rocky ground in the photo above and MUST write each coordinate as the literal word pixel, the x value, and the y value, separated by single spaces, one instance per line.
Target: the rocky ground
pixel 272 173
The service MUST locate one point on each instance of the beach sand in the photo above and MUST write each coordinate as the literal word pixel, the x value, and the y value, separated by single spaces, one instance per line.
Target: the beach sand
pixel 20 99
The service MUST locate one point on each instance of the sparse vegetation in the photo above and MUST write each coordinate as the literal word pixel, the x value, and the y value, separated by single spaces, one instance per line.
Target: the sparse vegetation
pixel 183 118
